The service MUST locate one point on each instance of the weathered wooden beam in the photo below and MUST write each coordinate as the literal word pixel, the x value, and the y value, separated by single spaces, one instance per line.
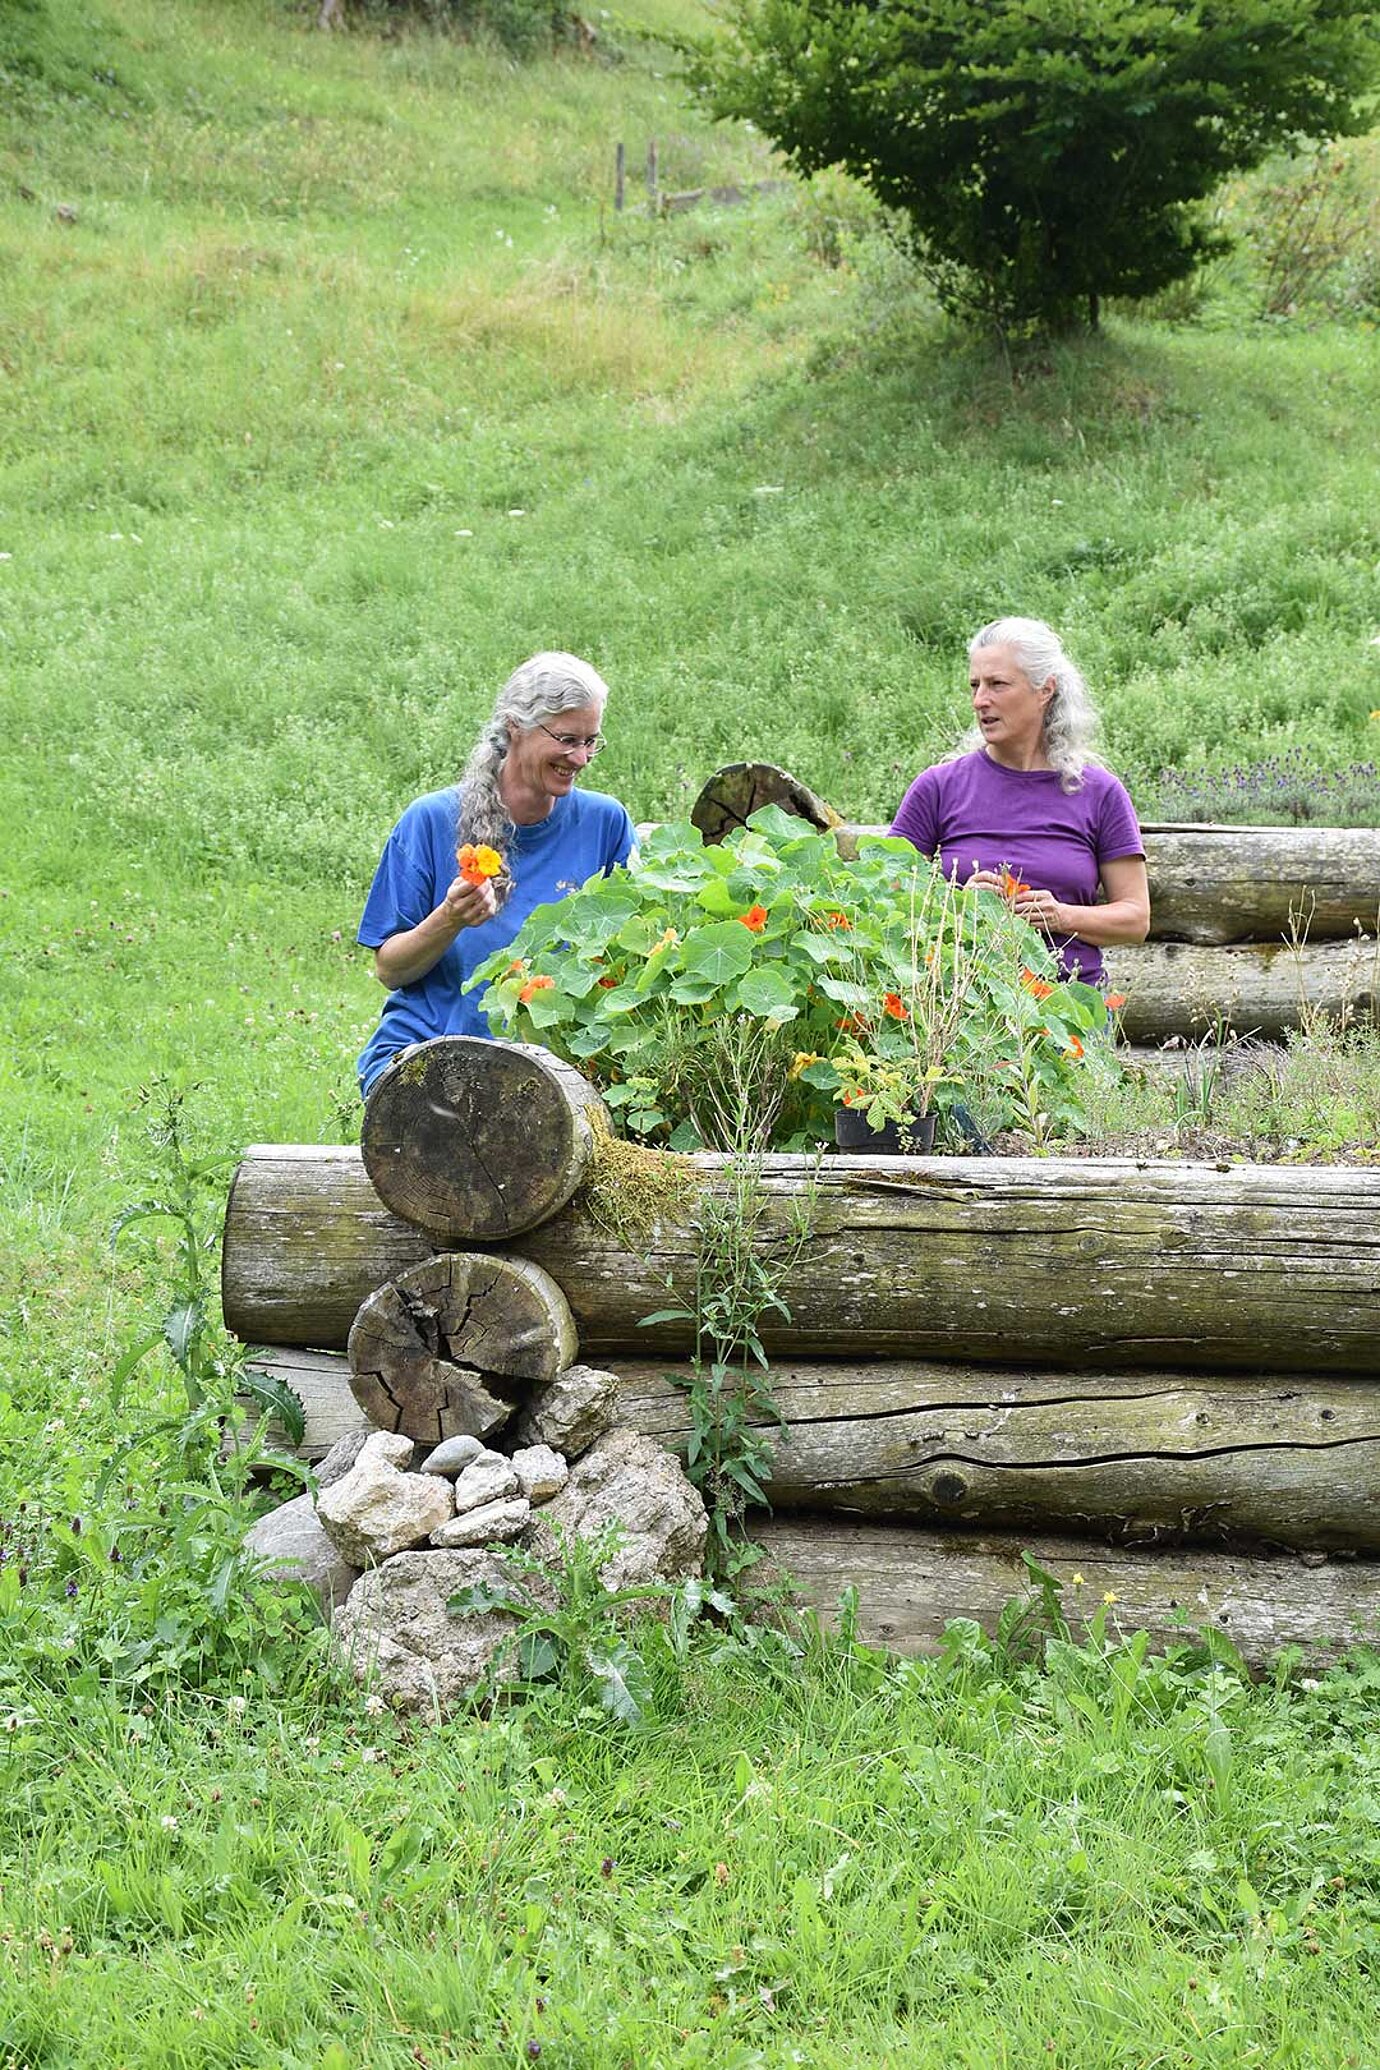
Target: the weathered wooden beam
pixel 1100 1262
pixel 1156 1458
pixel 909 1584
pixel 1139 1457
pixel 1254 988
pixel 306 1240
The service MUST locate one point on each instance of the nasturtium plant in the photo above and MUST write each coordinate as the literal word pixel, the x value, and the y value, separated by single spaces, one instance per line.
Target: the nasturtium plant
pixel 804 980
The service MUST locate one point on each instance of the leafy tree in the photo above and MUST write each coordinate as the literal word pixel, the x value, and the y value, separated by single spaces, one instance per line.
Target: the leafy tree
pixel 1047 152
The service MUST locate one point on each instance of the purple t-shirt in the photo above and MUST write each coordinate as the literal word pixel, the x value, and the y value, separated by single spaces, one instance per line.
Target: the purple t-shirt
pixel 974 814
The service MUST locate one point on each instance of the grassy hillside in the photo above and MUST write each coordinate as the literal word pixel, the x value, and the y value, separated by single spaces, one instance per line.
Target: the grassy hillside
pixel 346 388
pixel 330 387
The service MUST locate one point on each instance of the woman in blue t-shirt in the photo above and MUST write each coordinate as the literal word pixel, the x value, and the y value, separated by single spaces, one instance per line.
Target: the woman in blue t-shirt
pixel 1029 810
pixel 427 923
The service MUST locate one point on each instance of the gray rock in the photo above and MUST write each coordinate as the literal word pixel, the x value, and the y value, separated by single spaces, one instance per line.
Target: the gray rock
pixel 291 1538
pixel 496 1523
pixel 541 1472
pixel 342 1456
pixel 489 1478
pixel 571 1411
pixel 399 1637
pixel 629 1479
pixel 451 1456
pixel 377 1509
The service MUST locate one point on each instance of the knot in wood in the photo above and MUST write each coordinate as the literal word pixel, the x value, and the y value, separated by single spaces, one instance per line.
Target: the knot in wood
pixel 948 1488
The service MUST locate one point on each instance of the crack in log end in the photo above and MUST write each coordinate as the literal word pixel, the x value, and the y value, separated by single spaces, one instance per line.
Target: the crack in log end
pixel 424 1319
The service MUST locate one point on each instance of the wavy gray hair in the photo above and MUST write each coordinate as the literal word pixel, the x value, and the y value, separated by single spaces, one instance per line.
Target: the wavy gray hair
pixel 1070 716
pixel 547 684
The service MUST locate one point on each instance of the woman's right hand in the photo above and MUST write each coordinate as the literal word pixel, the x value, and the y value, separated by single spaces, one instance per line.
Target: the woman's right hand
pixel 469 905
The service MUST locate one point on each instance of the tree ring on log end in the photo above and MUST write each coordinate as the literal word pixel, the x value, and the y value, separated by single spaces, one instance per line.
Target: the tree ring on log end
pixel 474 1141
pixel 735 792
pixel 453 1347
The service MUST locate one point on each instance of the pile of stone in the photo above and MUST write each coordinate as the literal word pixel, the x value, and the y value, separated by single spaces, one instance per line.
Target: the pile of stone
pixel 395 1529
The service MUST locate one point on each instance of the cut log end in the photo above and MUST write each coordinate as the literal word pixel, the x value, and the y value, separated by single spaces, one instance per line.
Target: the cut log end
pixel 476 1141
pixel 452 1348
pixel 734 793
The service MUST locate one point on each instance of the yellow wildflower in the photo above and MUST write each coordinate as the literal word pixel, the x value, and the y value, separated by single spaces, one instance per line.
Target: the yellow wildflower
pixel 802 1061
pixel 1109 1595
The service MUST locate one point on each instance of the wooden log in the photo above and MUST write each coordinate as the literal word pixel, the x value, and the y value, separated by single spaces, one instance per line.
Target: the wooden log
pixel 452 1348
pixel 733 794
pixel 321 1382
pixel 910 1583
pixel 1219 884
pixel 306 1240
pixel 1136 1457
pixel 1258 988
pixel 475 1141
pixel 1101 1262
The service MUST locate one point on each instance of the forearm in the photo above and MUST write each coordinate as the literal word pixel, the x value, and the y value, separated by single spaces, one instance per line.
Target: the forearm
pixel 1102 927
pixel 405 957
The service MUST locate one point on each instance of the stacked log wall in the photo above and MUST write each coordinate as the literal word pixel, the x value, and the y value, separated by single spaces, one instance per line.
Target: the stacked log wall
pixel 973 1354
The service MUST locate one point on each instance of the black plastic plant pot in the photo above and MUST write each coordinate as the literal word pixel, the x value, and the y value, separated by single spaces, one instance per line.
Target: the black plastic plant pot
pixel 911 1138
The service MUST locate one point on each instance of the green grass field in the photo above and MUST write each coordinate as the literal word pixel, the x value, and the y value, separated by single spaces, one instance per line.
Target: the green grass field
pixel 331 385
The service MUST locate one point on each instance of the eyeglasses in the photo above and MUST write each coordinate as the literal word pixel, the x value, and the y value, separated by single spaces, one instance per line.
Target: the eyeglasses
pixel 592 743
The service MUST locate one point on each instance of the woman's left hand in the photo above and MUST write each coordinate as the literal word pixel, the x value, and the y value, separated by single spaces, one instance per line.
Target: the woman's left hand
pixel 1041 908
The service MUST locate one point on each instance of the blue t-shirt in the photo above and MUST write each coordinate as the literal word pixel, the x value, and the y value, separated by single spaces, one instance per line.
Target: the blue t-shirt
pixel 583 835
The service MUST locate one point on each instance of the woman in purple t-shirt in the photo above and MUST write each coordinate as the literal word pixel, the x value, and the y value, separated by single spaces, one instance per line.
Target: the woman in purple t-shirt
pixel 1028 810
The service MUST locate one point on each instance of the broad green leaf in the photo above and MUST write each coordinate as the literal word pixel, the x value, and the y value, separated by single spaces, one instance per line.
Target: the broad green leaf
pixel 767 992
pixel 715 897
pixel 625 1687
pixel 486 1596
pixel 272 1395
pixel 181 1327
pixel 719 954
pixel 538 1656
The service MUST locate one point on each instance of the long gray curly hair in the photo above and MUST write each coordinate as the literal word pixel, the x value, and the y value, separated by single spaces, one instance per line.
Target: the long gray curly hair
pixel 546 684
pixel 1070 716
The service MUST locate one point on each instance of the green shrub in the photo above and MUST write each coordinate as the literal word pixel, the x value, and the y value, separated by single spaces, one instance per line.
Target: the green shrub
pixel 769 978
pixel 1047 153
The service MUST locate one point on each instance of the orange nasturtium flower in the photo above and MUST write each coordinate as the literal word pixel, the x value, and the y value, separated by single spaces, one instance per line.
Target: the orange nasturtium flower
pixel 895 1006
pixel 801 1061
pixel 1011 886
pixel 1036 986
pixel 837 920
pixel 516 967
pixel 1115 1000
pixel 755 919
pixel 1075 1048
pixel 536 984
pixel 477 865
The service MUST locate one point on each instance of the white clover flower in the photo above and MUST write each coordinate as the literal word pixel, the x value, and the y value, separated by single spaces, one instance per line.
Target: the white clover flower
pixel 168 1822
pixel 374 1705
